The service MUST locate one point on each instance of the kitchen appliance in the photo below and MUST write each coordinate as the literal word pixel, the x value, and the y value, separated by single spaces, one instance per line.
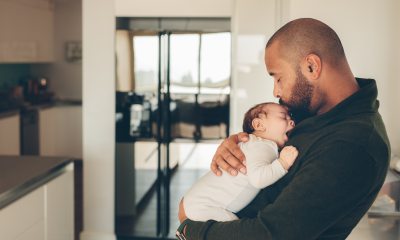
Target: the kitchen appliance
pixel 36 90
pixel 135 119
pixel 43 84
pixel 133 116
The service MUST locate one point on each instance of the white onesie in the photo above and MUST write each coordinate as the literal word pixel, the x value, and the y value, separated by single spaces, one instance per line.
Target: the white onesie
pixel 219 197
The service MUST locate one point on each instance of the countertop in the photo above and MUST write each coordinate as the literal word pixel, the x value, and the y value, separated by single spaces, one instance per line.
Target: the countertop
pixel 381 226
pixel 55 103
pixel 11 111
pixel 21 174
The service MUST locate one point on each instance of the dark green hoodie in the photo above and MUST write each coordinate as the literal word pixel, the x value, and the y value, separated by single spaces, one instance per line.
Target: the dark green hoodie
pixel 342 163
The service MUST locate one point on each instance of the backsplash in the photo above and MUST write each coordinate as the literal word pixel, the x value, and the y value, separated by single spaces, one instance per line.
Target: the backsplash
pixel 11 74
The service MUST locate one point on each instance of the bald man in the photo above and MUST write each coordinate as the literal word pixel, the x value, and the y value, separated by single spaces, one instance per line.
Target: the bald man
pixel 343 146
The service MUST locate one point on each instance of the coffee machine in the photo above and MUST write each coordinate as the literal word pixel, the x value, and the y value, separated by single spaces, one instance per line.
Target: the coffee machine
pixel 36 90
pixel 133 116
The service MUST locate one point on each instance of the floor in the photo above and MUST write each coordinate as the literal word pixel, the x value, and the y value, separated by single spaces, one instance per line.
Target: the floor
pixel 194 161
pixel 189 171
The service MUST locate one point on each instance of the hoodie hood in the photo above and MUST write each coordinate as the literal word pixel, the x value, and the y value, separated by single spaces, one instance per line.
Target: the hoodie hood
pixel 361 102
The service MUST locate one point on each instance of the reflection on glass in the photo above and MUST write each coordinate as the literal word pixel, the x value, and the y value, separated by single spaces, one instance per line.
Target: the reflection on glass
pixel 184 63
pixel 145 51
pixel 215 67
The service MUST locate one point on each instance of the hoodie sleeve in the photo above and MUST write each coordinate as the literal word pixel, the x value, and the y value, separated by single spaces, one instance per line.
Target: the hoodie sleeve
pixel 326 189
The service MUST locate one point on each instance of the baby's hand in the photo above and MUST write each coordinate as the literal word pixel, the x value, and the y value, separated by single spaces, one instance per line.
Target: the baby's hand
pixel 287 156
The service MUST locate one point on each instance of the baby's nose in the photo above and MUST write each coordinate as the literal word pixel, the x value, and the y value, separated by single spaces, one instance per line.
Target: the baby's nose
pixel 291 123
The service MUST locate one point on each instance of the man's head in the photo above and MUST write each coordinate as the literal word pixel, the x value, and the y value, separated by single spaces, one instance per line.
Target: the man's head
pixel 297 56
pixel 270 121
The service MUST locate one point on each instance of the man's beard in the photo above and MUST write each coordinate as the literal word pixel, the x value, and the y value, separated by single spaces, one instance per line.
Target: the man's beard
pixel 300 101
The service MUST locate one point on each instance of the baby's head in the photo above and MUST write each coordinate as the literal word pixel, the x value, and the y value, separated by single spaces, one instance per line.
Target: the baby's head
pixel 270 121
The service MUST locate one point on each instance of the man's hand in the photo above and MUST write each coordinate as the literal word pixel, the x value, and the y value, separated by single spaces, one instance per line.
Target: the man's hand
pixel 181 214
pixel 229 157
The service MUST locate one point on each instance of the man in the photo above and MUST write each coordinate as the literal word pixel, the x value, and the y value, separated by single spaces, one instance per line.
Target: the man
pixel 343 147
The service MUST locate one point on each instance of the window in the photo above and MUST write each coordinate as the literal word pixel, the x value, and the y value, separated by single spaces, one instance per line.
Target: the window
pixel 215 67
pixel 184 66
pixel 145 52
pixel 200 66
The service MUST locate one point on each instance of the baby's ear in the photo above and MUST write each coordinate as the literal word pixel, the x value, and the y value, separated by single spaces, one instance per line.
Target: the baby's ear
pixel 257 124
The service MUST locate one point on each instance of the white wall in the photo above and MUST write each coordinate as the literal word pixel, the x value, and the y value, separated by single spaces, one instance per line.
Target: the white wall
pixel 394 83
pixel 65 77
pixel 98 119
pixel 253 23
pixel 369 31
pixel 394 114
pixel 173 8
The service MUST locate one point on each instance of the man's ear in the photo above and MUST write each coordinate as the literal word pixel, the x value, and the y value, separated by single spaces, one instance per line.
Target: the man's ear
pixel 312 66
pixel 257 124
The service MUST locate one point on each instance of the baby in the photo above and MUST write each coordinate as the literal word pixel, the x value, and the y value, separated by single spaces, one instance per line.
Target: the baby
pixel 220 197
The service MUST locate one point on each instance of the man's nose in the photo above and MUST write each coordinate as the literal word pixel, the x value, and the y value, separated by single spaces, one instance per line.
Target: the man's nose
pixel 276 92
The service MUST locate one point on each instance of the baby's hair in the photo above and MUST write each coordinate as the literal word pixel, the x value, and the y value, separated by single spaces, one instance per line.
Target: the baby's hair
pixel 252 113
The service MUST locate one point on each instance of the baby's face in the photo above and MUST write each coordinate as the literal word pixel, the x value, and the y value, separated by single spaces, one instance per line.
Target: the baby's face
pixel 277 123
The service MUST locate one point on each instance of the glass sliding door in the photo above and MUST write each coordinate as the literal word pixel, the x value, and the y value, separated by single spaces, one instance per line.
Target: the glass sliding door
pixel 200 84
pixel 215 73
pixel 137 136
pixel 172 89
pixel 143 138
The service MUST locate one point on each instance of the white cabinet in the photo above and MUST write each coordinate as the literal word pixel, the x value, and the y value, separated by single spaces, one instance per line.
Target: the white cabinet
pixel 60 131
pixel 10 135
pixel 24 215
pixel 26 28
pixel 60 207
pixel 45 213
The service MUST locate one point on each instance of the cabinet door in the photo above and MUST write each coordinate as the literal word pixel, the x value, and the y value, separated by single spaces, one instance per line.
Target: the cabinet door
pixel 24 215
pixel 26 28
pixel 61 131
pixel 9 135
pixel 36 232
pixel 60 207
pixel 45 213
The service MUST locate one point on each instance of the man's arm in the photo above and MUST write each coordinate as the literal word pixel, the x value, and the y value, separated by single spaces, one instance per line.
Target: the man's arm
pixel 325 189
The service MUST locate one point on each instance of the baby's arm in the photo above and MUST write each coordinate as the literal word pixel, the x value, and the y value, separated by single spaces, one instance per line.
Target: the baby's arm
pixel 287 156
pixel 263 169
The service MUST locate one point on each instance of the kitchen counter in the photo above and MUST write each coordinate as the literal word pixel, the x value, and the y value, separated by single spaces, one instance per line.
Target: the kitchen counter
pixel 54 103
pixel 9 113
pixel 20 175
pixel 382 222
pixel 15 109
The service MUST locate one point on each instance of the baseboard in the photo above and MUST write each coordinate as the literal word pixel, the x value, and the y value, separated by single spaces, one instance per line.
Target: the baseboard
pixel 85 235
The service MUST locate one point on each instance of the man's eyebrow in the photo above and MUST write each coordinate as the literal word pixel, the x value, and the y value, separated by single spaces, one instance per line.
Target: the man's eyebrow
pixel 271 74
